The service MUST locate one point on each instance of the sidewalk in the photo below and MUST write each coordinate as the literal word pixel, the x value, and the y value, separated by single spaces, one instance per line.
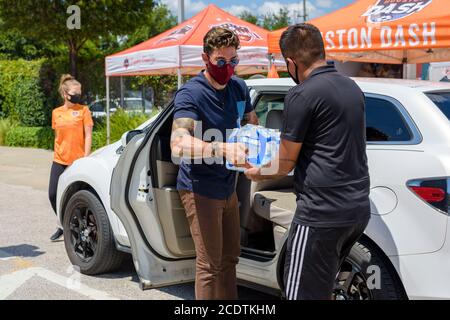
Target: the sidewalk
pixel 25 167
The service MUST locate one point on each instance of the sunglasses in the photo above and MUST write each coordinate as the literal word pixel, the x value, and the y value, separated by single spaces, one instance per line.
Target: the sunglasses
pixel 222 62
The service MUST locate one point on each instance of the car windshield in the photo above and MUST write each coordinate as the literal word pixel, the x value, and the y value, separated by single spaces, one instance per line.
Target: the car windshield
pixel 442 100
pixel 135 104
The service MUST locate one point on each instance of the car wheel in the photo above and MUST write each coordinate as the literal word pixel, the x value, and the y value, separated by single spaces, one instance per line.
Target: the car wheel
pixel 88 237
pixel 366 274
pixel 357 279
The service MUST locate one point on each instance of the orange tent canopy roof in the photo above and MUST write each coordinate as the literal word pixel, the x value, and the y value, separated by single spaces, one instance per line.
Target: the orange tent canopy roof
pixel 179 49
pixel 192 31
pixel 390 31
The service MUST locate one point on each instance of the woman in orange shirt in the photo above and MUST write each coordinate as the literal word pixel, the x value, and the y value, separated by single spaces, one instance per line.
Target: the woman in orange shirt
pixel 73 124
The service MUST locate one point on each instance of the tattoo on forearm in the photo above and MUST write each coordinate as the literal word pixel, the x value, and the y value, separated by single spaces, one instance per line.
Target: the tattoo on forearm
pixel 183 123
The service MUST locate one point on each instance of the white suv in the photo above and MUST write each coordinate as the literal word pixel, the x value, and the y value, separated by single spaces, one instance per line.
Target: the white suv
pixel 123 199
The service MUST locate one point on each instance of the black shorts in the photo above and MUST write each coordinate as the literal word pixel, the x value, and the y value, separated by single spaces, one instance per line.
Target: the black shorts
pixel 313 259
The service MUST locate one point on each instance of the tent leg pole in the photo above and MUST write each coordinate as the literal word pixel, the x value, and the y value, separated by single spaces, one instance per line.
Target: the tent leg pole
pixel 108 133
pixel 122 99
pixel 180 78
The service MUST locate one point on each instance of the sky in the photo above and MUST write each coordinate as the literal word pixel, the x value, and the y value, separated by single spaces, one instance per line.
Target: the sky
pixel 314 8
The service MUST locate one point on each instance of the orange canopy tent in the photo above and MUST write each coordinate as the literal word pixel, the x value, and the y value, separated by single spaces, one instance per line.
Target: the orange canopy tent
pixel 384 31
pixel 180 48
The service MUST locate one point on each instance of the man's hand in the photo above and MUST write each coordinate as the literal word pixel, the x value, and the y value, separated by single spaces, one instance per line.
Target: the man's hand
pixel 254 174
pixel 281 166
pixel 235 153
pixel 250 118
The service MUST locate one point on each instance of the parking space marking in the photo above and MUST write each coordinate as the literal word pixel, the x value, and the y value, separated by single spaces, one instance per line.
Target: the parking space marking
pixel 11 282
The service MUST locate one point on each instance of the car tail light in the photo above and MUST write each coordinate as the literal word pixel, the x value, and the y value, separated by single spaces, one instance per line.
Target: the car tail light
pixel 435 192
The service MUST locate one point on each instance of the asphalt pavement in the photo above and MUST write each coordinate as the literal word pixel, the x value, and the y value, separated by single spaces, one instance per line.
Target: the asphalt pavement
pixel 33 267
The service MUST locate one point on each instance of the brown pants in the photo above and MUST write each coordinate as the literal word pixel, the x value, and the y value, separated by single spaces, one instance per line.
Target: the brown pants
pixel 215 229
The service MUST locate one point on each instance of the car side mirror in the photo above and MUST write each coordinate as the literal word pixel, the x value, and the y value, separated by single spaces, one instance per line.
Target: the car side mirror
pixel 127 136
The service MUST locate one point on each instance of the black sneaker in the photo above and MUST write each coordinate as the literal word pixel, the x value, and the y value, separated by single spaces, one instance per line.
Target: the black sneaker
pixel 58 234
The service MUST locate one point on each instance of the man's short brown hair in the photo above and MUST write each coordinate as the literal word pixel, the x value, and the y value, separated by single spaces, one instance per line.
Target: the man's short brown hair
pixel 218 37
pixel 303 42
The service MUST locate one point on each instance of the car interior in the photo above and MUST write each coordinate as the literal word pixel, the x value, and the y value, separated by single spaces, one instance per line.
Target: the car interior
pixel 266 208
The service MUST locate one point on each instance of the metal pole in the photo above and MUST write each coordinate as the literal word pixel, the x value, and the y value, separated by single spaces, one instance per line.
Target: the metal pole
pixel 143 98
pixel 180 20
pixel 305 15
pixel 122 97
pixel 180 11
pixel 405 65
pixel 108 128
pixel 180 78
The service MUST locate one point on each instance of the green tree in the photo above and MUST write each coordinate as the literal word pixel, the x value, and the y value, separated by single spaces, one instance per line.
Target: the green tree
pixel 13 45
pixel 274 21
pixel 47 21
pixel 163 86
pixel 249 17
pixel 269 21
pixel 160 20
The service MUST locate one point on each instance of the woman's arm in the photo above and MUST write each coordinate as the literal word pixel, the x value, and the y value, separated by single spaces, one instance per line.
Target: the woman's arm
pixel 87 140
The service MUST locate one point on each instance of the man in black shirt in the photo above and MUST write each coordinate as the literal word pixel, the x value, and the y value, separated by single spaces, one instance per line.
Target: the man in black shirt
pixel 323 138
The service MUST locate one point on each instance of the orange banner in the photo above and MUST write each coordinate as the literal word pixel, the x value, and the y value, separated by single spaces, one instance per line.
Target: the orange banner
pixel 391 31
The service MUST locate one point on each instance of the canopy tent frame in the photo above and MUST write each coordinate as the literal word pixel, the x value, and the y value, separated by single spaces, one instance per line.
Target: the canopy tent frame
pixel 178 51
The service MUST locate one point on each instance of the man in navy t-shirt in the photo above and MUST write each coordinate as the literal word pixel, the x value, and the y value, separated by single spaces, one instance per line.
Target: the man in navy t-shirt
pixel 207 108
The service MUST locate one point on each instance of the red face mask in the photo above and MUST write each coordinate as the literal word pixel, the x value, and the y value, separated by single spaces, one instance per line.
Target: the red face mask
pixel 221 75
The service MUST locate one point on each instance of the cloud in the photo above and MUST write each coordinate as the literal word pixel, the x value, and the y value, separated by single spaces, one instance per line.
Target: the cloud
pixel 295 9
pixel 236 10
pixel 315 9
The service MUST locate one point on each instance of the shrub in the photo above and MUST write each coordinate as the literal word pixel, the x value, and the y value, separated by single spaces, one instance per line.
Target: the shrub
pixel 121 122
pixel 98 139
pixel 43 137
pixel 26 91
pixel 5 126
pixel 30 137
pixel 29 104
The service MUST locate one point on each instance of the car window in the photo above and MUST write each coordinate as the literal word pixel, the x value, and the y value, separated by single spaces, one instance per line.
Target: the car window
pixel 100 106
pixel 97 107
pixel 442 100
pixel 266 103
pixel 384 122
pixel 135 104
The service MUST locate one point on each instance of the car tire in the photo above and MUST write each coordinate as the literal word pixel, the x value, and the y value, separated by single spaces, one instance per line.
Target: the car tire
pixel 88 236
pixel 362 256
pixel 378 279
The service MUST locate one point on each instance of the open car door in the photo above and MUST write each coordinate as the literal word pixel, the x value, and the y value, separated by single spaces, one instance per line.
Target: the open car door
pixel 146 202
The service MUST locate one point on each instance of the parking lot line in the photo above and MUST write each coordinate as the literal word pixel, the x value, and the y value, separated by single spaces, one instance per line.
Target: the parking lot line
pixel 10 282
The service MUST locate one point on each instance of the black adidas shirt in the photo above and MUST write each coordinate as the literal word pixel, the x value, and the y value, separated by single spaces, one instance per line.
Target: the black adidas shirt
pixel 327 114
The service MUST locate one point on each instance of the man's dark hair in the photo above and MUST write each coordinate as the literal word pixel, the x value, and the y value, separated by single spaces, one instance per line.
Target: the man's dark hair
pixel 303 42
pixel 218 37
